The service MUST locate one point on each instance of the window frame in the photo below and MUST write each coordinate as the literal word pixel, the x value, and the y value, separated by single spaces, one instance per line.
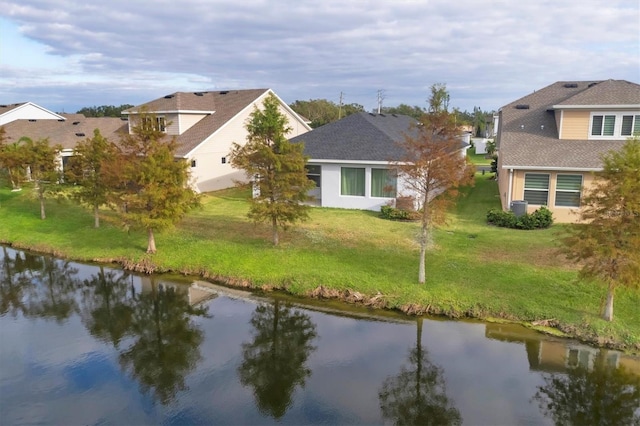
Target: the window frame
pixel 568 191
pixel 316 177
pixel 391 180
pixel 618 120
pixel 525 189
pixel 364 182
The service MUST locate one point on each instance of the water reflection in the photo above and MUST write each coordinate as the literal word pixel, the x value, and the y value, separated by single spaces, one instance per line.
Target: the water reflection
pixel 274 362
pixel 166 341
pixel 417 395
pixel 598 394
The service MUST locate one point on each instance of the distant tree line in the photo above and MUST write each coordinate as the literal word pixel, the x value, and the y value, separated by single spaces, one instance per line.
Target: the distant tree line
pixel 104 110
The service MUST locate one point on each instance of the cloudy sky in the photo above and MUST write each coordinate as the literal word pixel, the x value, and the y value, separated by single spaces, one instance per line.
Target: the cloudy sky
pixel 68 54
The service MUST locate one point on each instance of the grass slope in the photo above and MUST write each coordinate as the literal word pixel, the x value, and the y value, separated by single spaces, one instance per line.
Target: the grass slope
pixel 473 269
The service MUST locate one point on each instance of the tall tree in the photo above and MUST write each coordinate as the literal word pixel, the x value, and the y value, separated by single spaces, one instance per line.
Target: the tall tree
pixel 274 362
pixel 323 111
pixel 44 167
pixel 155 192
pixel 418 396
pixel 94 167
pixel 404 109
pixel 276 166
pixel 608 243
pixel 12 159
pixel 433 166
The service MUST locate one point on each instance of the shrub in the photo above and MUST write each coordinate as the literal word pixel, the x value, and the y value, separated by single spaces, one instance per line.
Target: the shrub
pixel 392 213
pixel 541 218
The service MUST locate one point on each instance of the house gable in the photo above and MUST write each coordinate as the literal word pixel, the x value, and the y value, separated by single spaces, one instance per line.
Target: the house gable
pixel 26 111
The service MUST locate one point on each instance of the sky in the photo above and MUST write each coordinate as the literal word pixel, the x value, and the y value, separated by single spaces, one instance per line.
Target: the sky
pixel 66 54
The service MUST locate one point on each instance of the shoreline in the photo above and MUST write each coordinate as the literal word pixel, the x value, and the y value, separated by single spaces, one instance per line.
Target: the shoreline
pixel 549 327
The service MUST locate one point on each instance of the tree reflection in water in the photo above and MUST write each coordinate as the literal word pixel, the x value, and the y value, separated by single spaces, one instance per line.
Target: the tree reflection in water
pixel 15 280
pixel 166 346
pixel 602 395
pixel 107 307
pixel 274 362
pixel 417 395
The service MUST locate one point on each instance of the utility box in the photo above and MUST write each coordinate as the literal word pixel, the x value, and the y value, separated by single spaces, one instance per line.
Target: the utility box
pixel 519 207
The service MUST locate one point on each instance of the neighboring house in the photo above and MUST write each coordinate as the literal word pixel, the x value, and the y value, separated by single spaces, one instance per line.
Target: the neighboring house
pixel 206 124
pixel 551 141
pixel 351 160
pixel 66 131
pixel 25 111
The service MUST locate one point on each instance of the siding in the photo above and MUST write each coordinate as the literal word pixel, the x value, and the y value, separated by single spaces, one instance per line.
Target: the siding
pixel 186 121
pixel 575 125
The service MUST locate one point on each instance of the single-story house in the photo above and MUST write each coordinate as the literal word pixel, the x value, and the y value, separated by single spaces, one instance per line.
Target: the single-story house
pixel 551 141
pixel 206 124
pixel 352 160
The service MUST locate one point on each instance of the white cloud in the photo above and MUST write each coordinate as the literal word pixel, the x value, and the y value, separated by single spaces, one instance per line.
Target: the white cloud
pixel 488 53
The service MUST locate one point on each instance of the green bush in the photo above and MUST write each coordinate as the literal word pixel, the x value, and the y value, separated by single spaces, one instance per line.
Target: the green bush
pixel 392 213
pixel 541 218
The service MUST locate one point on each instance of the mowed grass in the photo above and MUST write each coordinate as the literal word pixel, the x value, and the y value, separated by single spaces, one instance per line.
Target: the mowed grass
pixel 472 269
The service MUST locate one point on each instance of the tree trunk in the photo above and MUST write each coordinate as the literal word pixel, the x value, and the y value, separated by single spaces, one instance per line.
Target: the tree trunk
pixel 41 197
pixel 608 308
pixel 274 227
pixel 423 253
pixel 96 217
pixel 151 245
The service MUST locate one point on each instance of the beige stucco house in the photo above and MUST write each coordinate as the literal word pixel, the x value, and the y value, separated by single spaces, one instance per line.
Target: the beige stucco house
pixel 206 124
pixel 551 141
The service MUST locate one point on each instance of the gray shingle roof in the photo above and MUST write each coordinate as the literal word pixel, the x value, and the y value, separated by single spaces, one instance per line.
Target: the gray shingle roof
pixel 529 137
pixel 67 133
pixel 359 137
pixel 223 106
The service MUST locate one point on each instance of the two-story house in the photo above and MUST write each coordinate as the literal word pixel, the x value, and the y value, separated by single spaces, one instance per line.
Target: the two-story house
pixel 206 124
pixel 551 141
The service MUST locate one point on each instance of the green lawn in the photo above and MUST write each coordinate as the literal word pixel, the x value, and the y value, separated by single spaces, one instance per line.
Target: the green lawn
pixel 478 159
pixel 473 269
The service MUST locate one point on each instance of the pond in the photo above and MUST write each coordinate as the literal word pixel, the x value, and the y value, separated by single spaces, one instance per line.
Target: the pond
pixel 85 344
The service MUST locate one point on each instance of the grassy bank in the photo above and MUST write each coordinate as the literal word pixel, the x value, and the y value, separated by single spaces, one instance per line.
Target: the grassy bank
pixel 473 269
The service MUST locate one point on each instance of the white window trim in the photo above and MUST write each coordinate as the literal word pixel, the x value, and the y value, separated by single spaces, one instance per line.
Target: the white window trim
pixel 555 195
pixel 617 129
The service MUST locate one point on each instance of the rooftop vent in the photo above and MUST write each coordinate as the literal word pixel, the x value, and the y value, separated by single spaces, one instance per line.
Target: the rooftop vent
pixel 32 120
pixel 198 93
pixel 75 123
pixel 3 106
pixel 169 96
pixel 61 119
pixel 592 84
pixel 571 85
pixel 79 134
pixel 522 106
pixel 224 92
pixel 124 118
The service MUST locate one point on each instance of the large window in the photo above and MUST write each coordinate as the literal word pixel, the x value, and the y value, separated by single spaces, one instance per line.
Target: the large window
pixel 383 183
pixel 536 188
pixel 614 125
pixel 568 189
pixel 352 181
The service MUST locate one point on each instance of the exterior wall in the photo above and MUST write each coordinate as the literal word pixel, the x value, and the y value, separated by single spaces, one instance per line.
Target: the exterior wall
pixel 171 123
pixel 186 121
pixel 560 214
pixel 28 111
pixel 210 173
pixel 503 184
pixel 575 124
pixel 330 188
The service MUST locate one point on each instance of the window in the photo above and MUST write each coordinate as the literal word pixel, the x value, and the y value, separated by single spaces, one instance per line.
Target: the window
pixel 630 125
pixel 614 125
pixel 352 181
pixel 568 189
pixel 603 125
pixel 383 183
pixel 313 173
pixel 536 188
pixel 160 123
